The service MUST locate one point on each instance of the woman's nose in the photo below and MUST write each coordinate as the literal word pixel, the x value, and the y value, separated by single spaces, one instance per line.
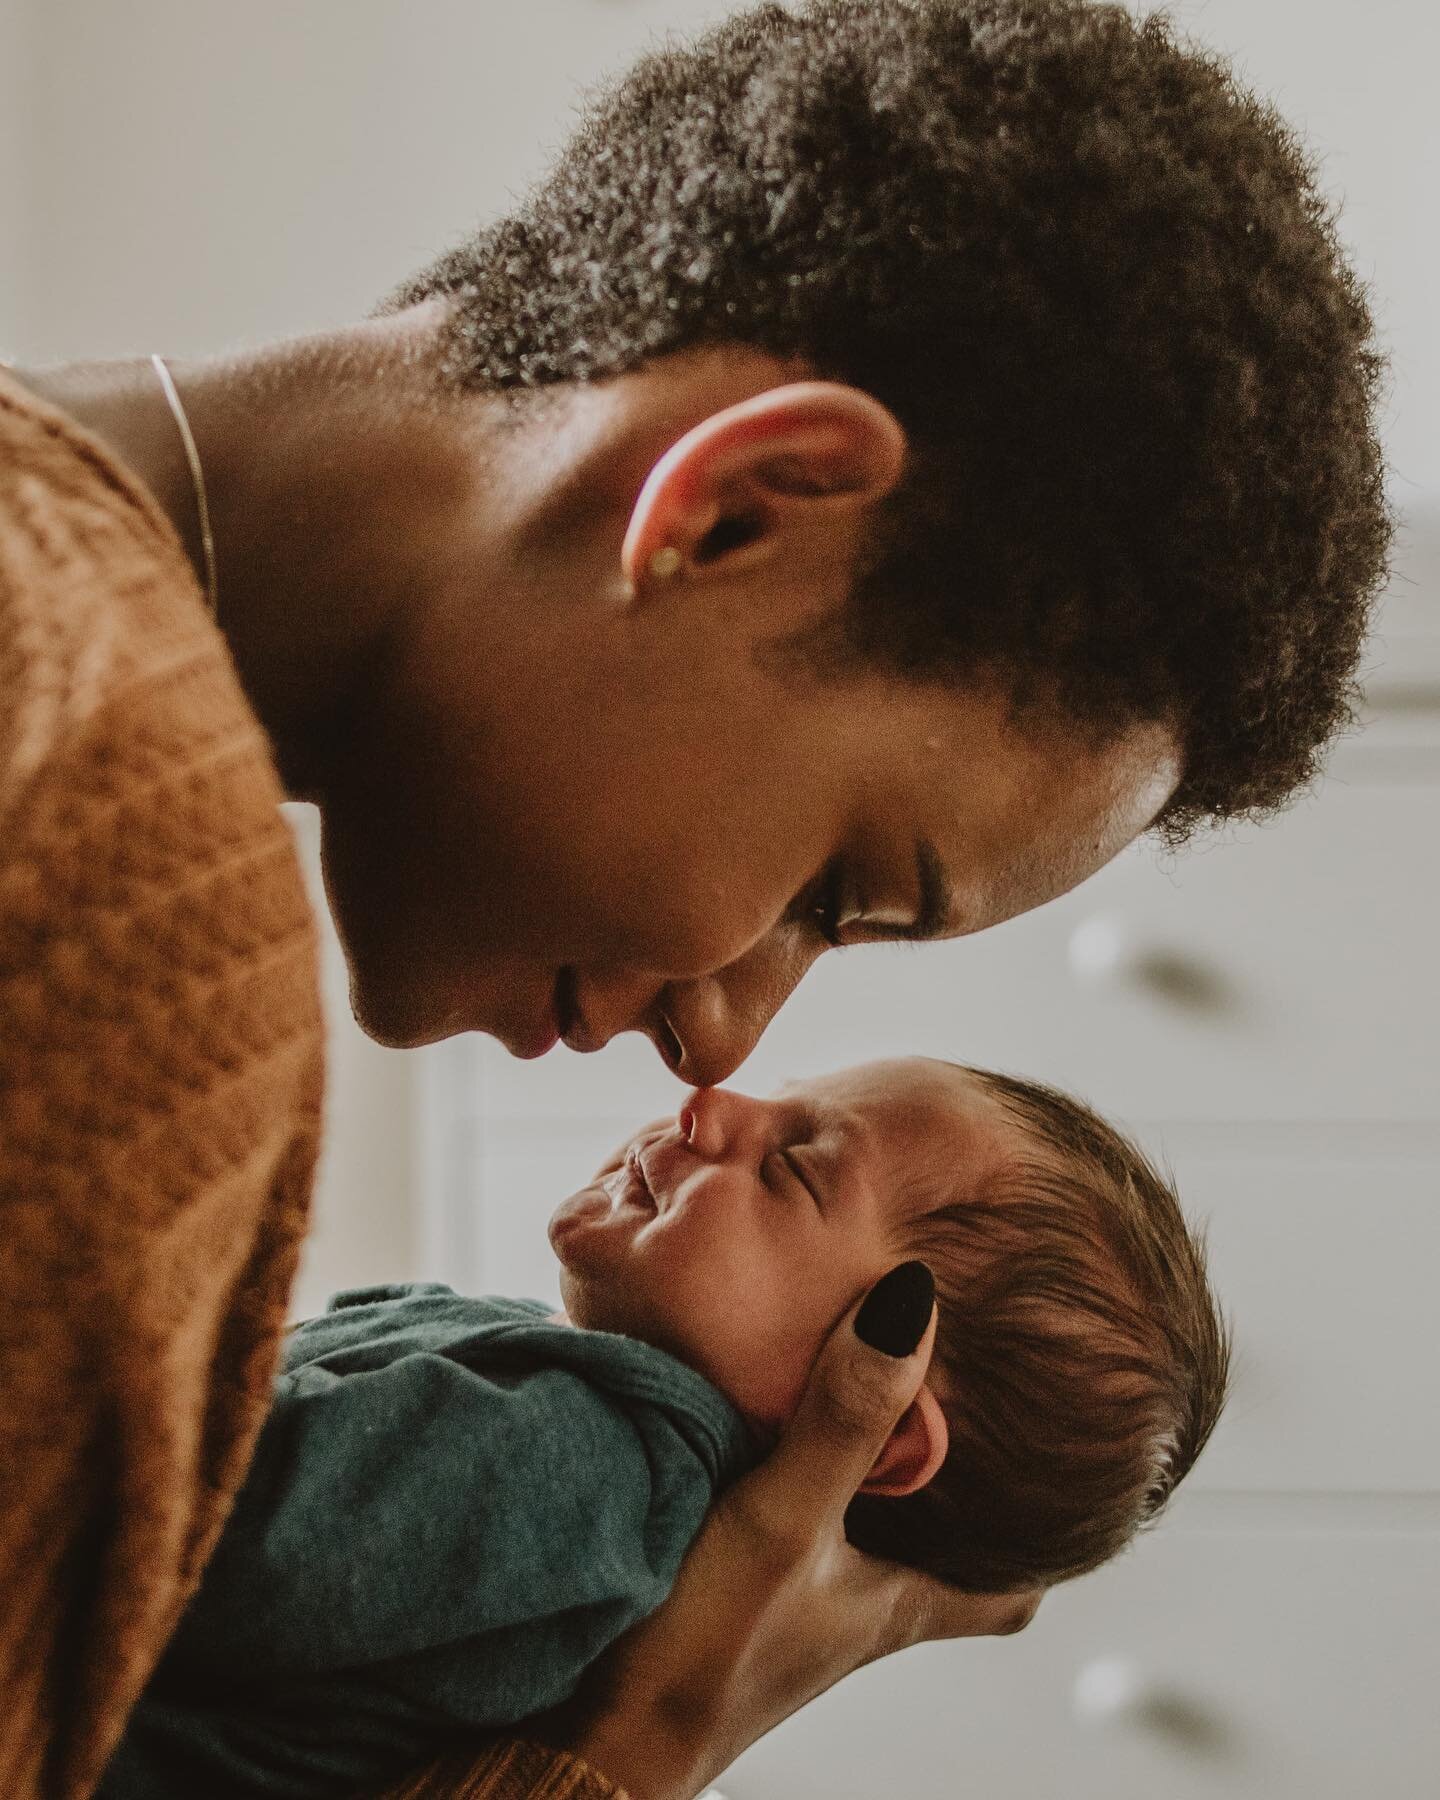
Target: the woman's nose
pixel 718 1019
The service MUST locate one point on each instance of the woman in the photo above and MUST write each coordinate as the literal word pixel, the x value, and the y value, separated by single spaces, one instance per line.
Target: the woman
pixel 650 600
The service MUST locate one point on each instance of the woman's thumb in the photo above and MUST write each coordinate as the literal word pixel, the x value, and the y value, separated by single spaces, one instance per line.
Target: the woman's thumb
pixel 894 1315
pixel 867 1373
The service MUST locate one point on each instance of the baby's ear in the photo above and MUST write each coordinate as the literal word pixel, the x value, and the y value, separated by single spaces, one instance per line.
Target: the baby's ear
pixel 914 1450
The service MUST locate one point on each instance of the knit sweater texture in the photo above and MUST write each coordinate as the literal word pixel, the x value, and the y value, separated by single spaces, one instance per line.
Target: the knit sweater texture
pixel 160 1103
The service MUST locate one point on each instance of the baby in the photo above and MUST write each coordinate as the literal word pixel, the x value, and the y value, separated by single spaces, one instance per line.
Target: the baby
pixel 457 1504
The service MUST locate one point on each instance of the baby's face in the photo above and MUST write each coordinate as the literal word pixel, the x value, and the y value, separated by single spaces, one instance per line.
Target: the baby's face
pixel 738 1233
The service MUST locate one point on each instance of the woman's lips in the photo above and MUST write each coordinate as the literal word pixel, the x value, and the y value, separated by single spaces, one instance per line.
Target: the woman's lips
pixel 574 1030
pixel 564 1007
pixel 559 1018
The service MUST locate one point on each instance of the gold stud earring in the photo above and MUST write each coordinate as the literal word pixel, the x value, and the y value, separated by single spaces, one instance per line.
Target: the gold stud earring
pixel 665 563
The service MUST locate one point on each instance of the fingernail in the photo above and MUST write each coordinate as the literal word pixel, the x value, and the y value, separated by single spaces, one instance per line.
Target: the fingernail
pixel 897 1310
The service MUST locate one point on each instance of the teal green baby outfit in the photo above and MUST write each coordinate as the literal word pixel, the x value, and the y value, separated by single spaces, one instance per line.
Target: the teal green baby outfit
pixel 455 1506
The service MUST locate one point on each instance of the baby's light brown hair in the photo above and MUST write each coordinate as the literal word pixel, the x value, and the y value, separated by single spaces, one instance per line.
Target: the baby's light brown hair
pixel 1080 1357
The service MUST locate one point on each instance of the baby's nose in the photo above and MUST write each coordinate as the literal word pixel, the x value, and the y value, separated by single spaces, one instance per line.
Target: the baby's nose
pixel 710 1119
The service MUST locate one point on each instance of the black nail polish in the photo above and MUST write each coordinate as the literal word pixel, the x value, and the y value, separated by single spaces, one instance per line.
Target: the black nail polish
pixel 897 1310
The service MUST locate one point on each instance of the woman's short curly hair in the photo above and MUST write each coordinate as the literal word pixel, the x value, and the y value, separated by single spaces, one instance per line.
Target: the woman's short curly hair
pixel 1093 277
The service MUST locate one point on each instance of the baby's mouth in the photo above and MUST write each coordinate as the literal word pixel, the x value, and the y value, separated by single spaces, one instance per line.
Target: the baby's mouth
pixel 626 1183
pixel 635 1168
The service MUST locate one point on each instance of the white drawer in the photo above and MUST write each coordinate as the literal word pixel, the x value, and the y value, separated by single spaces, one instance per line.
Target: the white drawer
pixel 1411 602
pixel 1326 1265
pixel 1294 1663
pixel 1400 712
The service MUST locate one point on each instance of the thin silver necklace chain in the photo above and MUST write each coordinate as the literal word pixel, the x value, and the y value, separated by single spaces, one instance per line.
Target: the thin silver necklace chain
pixel 197 475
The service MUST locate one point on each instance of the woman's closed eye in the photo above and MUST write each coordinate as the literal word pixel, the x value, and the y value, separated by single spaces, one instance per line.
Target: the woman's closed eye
pixel 827 906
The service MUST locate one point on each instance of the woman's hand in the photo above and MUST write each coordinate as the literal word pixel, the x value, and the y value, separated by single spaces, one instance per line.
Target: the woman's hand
pixel 772 1605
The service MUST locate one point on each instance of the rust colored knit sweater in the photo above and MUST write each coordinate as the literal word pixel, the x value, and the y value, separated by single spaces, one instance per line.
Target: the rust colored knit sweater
pixel 160 1088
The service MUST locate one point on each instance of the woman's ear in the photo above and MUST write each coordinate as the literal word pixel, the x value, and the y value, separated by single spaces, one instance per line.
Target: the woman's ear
pixel 914 1450
pixel 741 484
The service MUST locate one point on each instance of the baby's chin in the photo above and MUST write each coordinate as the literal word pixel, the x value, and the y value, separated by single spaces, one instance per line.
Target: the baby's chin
pixel 595 1302
pixel 592 1306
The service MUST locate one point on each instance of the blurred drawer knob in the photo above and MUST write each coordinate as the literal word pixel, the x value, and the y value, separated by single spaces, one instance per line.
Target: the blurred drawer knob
pixel 1098 949
pixel 1109 1688
pixel 1104 952
pixel 1113 1691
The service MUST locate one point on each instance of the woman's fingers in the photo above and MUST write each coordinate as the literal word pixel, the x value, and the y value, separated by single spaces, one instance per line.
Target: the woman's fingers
pixel 868 1372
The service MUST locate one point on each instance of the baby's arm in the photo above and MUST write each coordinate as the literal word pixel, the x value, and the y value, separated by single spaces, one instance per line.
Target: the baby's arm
pixel 454 1507
pixel 410 1513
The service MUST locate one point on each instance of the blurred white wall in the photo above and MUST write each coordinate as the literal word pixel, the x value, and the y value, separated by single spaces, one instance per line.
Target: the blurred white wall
pixel 15 150
pixel 207 173
pixel 201 173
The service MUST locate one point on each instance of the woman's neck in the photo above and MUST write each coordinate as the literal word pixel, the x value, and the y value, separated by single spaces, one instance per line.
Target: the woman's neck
pixel 314 455
pixel 124 405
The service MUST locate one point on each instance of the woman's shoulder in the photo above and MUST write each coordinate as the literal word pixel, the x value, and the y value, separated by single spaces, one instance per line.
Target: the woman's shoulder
pixel 98 603
pixel 53 472
pixel 152 906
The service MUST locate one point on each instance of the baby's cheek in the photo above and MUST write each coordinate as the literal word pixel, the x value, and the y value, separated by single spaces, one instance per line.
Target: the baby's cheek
pixel 815 1311
pixel 769 1371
